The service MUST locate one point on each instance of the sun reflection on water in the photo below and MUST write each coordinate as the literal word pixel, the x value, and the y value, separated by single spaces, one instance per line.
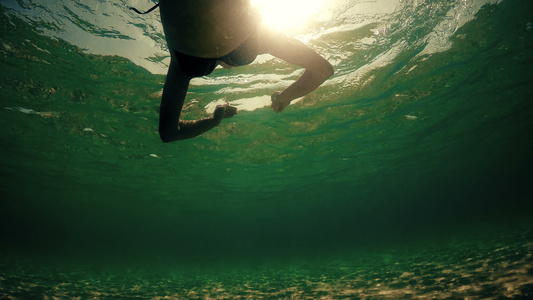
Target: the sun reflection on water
pixel 288 15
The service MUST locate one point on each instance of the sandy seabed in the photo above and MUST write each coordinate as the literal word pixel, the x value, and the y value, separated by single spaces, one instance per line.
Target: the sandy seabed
pixel 466 270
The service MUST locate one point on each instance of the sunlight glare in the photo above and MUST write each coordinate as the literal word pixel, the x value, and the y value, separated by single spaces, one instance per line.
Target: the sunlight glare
pixel 287 15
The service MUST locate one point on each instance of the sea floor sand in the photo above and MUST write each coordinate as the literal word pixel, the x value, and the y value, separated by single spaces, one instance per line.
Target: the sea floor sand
pixel 466 270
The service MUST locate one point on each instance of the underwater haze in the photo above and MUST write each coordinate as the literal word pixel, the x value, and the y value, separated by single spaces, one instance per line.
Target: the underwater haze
pixel 408 174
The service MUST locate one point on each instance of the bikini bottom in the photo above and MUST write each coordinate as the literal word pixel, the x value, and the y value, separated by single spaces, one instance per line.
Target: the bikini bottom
pixel 194 66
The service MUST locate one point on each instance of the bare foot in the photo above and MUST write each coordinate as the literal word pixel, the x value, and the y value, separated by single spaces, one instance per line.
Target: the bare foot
pixel 225 111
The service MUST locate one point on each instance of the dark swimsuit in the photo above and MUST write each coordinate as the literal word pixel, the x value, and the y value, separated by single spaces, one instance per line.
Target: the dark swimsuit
pixel 244 54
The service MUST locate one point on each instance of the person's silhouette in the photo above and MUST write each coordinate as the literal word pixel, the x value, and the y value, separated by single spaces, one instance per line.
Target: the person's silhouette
pixel 202 34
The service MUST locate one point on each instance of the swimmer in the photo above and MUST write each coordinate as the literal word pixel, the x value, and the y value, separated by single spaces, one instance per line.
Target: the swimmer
pixel 202 34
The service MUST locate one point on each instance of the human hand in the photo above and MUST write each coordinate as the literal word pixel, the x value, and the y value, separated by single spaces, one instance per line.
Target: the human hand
pixel 278 104
pixel 225 111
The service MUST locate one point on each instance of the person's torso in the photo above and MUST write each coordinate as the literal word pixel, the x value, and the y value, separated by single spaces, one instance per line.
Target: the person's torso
pixel 207 28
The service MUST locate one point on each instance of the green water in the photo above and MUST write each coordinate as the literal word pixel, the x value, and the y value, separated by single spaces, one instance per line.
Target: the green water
pixel 412 179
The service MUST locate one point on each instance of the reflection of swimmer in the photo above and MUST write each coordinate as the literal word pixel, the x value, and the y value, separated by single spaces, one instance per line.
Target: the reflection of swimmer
pixel 202 34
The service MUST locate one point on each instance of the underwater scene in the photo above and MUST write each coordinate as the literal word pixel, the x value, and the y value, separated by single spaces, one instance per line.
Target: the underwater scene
pixel 406 175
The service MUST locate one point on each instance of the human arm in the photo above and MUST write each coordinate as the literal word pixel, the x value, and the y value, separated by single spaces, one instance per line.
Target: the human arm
pixel 317 69
pixel 171 128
